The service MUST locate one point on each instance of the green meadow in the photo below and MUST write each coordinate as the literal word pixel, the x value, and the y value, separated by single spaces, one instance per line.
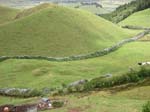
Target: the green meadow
pixel 41 73
pixel 140 18
pixel 57 31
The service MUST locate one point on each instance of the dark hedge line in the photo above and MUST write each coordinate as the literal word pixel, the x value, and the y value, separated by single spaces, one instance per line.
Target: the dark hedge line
pixel 131 77
pixel 80 57
pixel 135 27
pixel 105 82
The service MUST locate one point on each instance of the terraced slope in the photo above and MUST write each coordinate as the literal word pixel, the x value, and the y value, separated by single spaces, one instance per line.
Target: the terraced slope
pixel 58 31
pixel 7 14
pixel 140 18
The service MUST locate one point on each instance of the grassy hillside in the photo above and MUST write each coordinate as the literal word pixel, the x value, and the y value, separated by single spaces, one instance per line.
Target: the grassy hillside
pixel 126 10
pixel 59 31
pixel 140 18
pixel 39 74
pixel 7 14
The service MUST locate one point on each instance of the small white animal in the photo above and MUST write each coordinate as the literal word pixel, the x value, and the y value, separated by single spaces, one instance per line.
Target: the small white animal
pixel 144 63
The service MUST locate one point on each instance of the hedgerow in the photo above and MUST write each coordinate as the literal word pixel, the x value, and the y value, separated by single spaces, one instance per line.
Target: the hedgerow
pixel 131 77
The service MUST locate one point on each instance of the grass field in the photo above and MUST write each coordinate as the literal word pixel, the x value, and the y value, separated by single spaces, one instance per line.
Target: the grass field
pixel 7 14
pixel 40 74
pixel 140 18
pixel 50 31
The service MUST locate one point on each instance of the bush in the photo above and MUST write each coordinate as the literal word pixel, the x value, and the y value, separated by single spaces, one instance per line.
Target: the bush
pixel 146 107
pixel 57 104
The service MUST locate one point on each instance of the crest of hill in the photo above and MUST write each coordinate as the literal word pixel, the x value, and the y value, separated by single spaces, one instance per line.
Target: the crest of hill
pixel 59 31
pixel 140 18
pixel 7 14
pixel 32 10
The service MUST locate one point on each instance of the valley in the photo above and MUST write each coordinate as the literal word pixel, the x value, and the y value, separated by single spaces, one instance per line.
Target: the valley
pixel 55 53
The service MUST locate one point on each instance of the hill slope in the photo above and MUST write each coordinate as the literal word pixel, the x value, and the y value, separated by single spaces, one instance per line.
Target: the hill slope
pixel 138 19
pixel 126 10
pixel 40 73
pixel 7 14
pixel 58 31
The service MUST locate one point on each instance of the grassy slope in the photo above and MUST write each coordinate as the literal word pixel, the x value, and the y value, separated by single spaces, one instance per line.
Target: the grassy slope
pixel 7 14
pixel 103 101
pixel 140 18
pixel 50 31
pixel 39 74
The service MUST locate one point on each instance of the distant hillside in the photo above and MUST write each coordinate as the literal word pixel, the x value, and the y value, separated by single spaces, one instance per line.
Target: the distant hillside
pixel 126 10
pixel 58 31
pixel 7 14
pixel 140 18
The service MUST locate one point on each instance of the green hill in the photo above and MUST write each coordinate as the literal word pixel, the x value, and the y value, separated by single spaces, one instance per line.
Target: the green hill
pixel 140 18
pixel 7 14
pixel 58 31
pixel 126 10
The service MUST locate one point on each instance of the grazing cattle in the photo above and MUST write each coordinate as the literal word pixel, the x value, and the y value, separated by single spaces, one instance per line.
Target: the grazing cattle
pixel 144 63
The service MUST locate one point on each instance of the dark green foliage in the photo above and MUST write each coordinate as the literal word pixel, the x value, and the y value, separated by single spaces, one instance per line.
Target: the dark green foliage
pixel 126 10
pixel 57 104
pixel 146 107
pixel 131 77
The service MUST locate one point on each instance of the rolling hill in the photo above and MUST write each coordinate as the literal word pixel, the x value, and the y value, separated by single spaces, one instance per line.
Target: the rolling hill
pixel 7 14
pixel 126 10
pixel 140 18
pixel 58 31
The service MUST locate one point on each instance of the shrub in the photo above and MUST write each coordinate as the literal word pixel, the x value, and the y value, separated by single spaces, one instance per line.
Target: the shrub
pixel 146 107
pixel 57 104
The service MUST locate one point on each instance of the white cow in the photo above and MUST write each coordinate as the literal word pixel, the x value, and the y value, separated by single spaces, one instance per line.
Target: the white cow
pixel 144 63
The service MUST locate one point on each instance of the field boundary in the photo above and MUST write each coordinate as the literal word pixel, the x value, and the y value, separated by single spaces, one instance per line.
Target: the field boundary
pixel 84 56
pixel 135 27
